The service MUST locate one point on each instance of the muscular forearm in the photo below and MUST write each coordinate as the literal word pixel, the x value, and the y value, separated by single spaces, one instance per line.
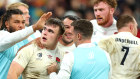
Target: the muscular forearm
pixel 12 75
pixel 15 70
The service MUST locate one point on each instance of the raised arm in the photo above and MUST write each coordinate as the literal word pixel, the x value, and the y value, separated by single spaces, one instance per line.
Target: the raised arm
pixel 9 39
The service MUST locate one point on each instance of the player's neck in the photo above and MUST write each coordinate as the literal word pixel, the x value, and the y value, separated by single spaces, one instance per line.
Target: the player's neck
pixel 83 41
pixel 50 47
pixel 124 29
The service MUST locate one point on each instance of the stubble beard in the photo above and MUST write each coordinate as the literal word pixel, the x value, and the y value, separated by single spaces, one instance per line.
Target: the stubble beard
pixel 66 42
pixel 105 20
pixel 11 29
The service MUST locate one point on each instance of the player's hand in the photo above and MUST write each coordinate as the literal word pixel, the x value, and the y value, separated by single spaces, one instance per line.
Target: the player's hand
pixel 41 22
pixel 52 68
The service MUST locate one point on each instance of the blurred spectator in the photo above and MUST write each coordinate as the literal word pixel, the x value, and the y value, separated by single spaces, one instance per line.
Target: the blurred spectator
pixel 126 10
pixel 81 8
pixel 37 8
pixel 89 15
pixel 3 3
pixel 137 15
pixel 59 11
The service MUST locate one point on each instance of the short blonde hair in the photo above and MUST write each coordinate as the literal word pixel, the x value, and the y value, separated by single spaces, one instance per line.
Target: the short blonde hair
pixel 16 5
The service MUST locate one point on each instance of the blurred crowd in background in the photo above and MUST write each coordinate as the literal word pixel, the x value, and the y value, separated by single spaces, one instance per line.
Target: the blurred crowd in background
pixel 81 8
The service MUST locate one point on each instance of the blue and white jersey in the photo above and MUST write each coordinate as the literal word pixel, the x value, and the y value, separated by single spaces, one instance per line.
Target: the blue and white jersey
pixel 90 62
pixel 6 57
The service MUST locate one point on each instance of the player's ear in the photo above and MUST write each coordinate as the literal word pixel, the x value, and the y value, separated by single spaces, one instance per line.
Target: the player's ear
pixel 60 37
pixel 79 36
pixel 112 11
pixel 131 26
pixel 7 24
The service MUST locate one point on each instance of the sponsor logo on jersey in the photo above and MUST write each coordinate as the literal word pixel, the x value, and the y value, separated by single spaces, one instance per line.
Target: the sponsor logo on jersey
pixel 49 56
pixel 39 56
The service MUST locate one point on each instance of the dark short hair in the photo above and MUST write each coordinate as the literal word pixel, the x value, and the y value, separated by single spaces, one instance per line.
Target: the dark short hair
pixel 84 27
pixel 112 3
pixel 123 20
pixel 71 17
pixel 56 22
pixel 8 15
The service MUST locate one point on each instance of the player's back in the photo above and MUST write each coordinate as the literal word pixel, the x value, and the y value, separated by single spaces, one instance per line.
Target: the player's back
pixel 124 50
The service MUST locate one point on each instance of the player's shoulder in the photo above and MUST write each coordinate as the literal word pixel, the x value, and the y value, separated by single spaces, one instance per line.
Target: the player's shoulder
pixel 29 46
pixel 127 35
pixel 111 37
pixel 94 21
pixel 95 24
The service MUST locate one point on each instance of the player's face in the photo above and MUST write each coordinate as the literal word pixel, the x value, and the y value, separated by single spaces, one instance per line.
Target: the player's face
pixel 25 13
pixel 15 23
pixel 68 35
pixel 102 13
pixel 50 36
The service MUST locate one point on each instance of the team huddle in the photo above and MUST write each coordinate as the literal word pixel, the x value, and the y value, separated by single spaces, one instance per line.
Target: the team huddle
pixel 71 47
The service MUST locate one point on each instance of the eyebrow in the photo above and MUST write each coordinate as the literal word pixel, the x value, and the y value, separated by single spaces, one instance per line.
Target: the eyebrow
pixel 19 20
pixel 51 30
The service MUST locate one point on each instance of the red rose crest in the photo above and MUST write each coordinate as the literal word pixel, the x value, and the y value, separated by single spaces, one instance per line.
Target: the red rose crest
pixel 115 32
pixel 57 60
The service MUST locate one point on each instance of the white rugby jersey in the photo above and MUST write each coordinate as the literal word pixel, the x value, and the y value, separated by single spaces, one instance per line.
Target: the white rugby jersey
pixel 35 61
pixel 100 32
pixel 62 50
pixel 124 50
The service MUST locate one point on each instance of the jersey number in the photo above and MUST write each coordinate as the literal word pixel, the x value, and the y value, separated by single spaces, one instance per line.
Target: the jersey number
pixel 126 50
